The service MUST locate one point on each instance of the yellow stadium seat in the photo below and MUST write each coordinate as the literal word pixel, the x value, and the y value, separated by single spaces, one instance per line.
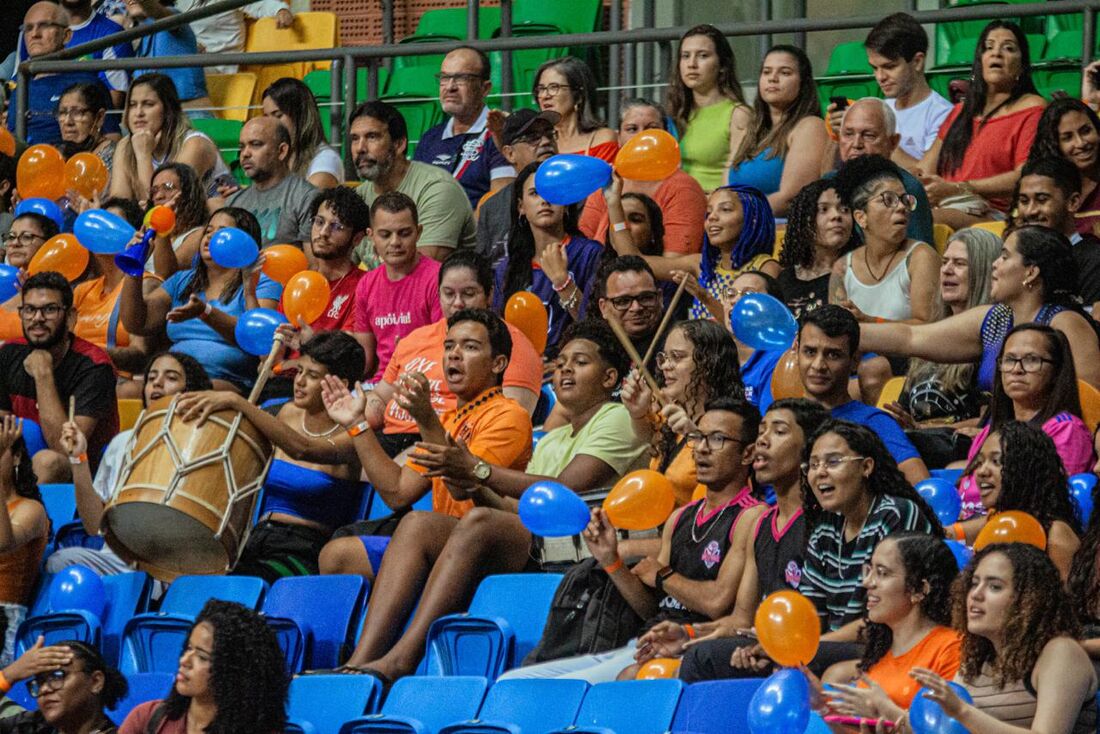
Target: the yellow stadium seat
pixel 233 91
pixel 1090 404
pixel 310 31
pixel 891 391
pixel 780 233
pixel 128 411
pixel 997 228
pixel 941 233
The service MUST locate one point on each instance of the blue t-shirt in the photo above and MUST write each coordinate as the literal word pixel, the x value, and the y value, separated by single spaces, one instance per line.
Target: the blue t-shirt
pixel 756 374
pixel 470 157
pixel 222 360
pixel 881 422
pixel 180 41
pixel 43 94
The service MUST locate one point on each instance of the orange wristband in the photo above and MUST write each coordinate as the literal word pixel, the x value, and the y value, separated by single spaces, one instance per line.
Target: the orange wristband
pixel 689 629
pixel 82 459
pixel 612 568
pixel 360 427
pixel 957 529
pixel 5 684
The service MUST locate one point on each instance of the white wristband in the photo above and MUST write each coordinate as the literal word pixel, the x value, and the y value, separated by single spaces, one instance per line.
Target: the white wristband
pixel 619 226
pixel 206 311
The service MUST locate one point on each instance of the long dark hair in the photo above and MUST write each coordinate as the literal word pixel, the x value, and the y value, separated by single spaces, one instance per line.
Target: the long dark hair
pixel 957 140
pixel 1062 396
pixel 656 244
pixel 927 561
pixel 765 132
pixel 582 86
pixel 24 480
pixel 1052 253
pixel 1084 581
pixel 191 207
pixel 294 100
pixel 1046 135
pixel 200 279
pixel 680 100
pixel 800 238
pixel 757 234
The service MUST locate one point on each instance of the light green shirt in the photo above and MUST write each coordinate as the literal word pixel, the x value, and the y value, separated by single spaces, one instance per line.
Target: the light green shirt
pixel 608 436
pixel 705 145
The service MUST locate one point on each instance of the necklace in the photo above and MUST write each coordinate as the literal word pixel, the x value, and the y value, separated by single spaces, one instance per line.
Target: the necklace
pixel 322 434
pixel 709 524
pixel 867 262
pixel 471 406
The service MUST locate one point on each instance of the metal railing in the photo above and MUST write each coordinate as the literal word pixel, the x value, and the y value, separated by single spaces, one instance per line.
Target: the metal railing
pixel 346 59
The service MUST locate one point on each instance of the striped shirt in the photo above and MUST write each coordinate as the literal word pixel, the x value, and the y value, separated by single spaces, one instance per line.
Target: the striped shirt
pixel 833 566
pixel 1015 704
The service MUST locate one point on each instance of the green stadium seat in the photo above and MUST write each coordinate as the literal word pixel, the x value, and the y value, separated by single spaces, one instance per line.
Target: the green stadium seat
pixel 851 88
pixel 451 23
pixel 948 34
pixel 848 59
pixel 226 134
pixel 568 16
pixel 414 91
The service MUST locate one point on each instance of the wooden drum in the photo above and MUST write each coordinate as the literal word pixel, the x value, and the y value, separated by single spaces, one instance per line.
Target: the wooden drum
pixel 184 498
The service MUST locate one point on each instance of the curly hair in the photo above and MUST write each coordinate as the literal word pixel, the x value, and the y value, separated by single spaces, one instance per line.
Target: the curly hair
pixel 1041 610
pixel 930 568
pixel 1084 581
pixel 247 674
pixel 856 179
pixel 597 331
pixel 800 238
pixel 885 478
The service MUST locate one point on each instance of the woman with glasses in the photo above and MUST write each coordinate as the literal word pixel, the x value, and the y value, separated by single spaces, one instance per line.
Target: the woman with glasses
pixel 290 102
pixel 177 186
pixel 28 232
pixel 201 306
pixel 72 685
pixel 232 677
pixel 567 86
pixel 81 112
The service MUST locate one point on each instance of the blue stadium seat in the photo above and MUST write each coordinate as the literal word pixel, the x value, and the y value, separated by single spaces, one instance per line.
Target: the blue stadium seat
pixel 628 707
pixel 67 624
pixel 127 595
pixel 60 503
pixel 503 624
pixel 323 609
pixel 423 705
pixel 143 687
pixel 73 535
pixel 530 706
pixel 325 702
pixel 698 714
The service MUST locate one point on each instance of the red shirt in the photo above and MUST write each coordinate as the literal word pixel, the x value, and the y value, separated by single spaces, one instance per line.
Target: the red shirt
pixel 340 314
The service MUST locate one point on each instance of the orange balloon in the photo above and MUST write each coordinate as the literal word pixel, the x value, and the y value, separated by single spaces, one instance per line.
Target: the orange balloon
pixel 786 381
pixel 162 219
pixel 658 668
pixel 651 155
pixel 525 311
pixel 40 173
pixel 1011 527
pixel 62 254
pixel 641 500
pixel 788 628
pixel 282 262
pixel 305 297
pixel 86 173
pixel 699 493
pixel 7 142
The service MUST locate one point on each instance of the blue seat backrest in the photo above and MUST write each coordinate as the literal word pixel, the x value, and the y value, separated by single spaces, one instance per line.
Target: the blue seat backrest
pixel 142 687
pixel 522 599
pixel 188 594
pixel 327 701
pixel 436 701
pixel 636 706
pixel 323 607
pixel 535 705
pixel 698 713
pixel 60 503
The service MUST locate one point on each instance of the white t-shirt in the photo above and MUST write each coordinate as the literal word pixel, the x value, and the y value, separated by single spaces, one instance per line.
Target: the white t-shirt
pixel 327 160
pixel 919 124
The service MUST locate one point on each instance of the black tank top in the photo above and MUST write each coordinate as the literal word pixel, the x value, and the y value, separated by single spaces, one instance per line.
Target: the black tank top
pixel 778 552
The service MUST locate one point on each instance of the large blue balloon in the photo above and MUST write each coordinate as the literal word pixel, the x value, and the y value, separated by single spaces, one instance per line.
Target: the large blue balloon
pixel 1081 487
pixel 780 704
pixel 78 587
pixel 9 282
pixel 255 330
pixel 927 717
pixel 763 322
pixel 962 552
pixel 568 178
pixel 942 497
pixel 552 510
pixel 102 232
pixel 43 207
pixel 233 248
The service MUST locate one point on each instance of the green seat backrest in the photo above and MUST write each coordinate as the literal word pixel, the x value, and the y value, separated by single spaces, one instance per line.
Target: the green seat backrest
pixel 848 59
pixel 451 23
pixel 571 16
pixel 1064 45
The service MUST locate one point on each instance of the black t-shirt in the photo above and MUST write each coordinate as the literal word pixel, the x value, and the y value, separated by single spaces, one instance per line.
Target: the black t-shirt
pixel 778 552
pixel 802 296
pixel 84 372
pixel 1086 256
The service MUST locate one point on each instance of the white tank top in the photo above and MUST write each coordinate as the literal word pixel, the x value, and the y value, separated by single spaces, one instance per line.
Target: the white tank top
pixel 889 298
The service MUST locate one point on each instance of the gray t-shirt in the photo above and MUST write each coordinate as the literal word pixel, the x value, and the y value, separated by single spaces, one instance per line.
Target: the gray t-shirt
pixel 283 211
pixel 494 224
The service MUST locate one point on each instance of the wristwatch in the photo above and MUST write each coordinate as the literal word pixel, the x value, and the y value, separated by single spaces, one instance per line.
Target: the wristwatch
pixel 482 470
pixel 662 574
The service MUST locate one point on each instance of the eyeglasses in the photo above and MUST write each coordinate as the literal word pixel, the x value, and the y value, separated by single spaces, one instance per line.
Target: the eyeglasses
pixel 868 570
pixel 49 311
pixel 534 138
pixel 831 463
pixel 714 441
pixel 74 112
pixel 29 28
pixel 646 299
pixel 1029 363
pixel 46 682
pixel 24 238
pixel 670 358
pixel 890 200
pixel 167 187
pixel 468 80
pixel 321 224
pixel 552 89
pixel 736 293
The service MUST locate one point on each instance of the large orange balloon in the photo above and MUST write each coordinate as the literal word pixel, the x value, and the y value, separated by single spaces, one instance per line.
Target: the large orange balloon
pixel 658 668
pixel 641 500
pixel 86 173
pixel 305 297
pixel 788 628
pixel 282 262
pixel 7 142
pixel 786 381
pixel 699 493
pixel 62 254
pixel 525 311
pixel 651 155
pixel 40 173
pixel 1011 527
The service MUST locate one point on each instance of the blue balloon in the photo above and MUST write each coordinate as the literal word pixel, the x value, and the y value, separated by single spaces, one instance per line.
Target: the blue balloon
pixel 32 437
pixel 928 717
pixel 942 497
pixel 233 248
pixel 78 587
pixel 255 331
pixel 1081 487
pixel 568 178
pixel 9 282
pixel 780 704
pixel 763 322
pixel 102 232
pixel 43 207
pixel 553 510
pixel 962 552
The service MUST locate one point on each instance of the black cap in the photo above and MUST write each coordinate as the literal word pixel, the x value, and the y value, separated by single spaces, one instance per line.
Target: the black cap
pixel 520 121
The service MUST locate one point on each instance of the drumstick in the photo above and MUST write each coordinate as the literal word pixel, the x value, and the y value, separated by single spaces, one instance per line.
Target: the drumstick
pixel 624 339
pixel 668 317
pixel 265 371
pixel 72 408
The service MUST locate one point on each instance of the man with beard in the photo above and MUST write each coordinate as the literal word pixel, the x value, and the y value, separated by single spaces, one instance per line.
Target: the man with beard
pixel 379 139
pixel 48 367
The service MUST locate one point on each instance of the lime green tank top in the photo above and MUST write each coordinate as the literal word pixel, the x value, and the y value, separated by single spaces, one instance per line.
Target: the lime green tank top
pixel 705 145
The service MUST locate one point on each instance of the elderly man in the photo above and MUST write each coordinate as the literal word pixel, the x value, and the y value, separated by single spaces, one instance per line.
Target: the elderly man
pixel 279 198
pixel 46 30
pixel 463 145
pixel 869 128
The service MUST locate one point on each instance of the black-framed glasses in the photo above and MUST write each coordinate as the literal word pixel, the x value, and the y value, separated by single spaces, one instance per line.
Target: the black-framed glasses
pixel 27 239
pixel 831 463
pixel 534 138
pixel 1029 363
pixel 645 299
pixel 468 80
pixel 46 682
pixel 715 440
pixel 890 200
pixel 49 311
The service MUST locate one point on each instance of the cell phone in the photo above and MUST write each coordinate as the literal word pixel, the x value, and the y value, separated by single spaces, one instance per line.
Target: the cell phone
pixel 1094 76
pixel 840 102
pixel 858 721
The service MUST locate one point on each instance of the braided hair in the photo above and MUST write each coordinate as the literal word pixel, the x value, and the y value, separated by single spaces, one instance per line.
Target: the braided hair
pixel 757 234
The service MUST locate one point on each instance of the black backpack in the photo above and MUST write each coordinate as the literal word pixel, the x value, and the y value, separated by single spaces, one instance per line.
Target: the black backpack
pixel 587 615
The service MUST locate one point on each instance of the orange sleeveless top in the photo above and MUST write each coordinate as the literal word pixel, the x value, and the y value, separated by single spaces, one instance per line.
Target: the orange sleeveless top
pixel 19 568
